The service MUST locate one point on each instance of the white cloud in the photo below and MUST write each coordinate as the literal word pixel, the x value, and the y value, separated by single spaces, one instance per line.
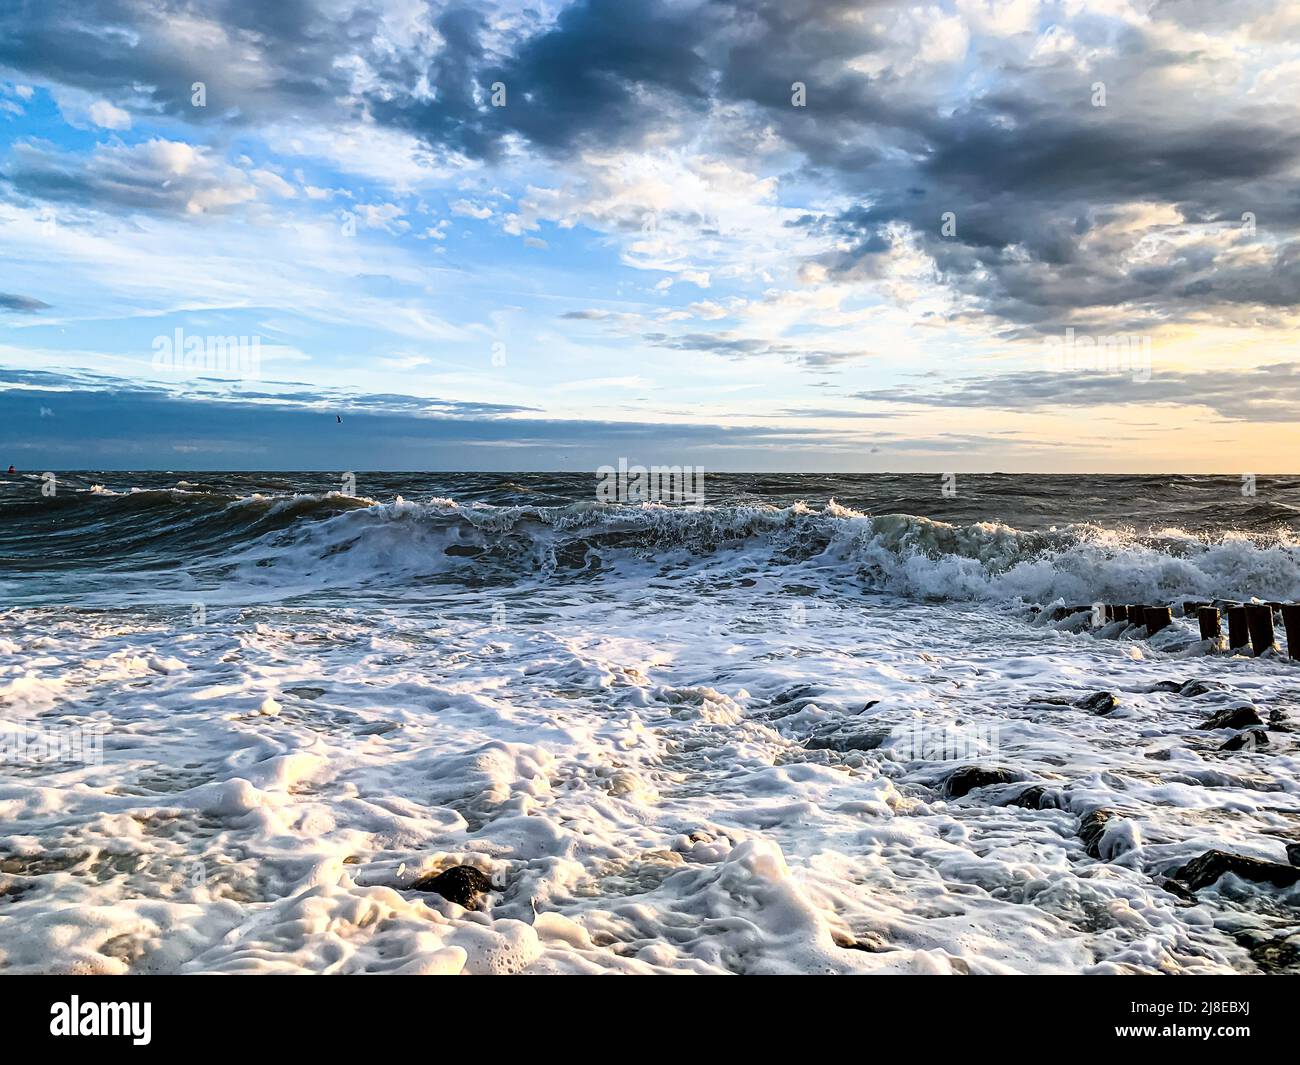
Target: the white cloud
pixel 106 116
pixel 405 362
pixel 273 183
pixel 708 310
pixel 156 175
pixel 465 209
pixel 385 216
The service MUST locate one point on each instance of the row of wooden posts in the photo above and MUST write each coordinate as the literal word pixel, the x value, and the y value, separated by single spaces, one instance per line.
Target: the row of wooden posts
pixel 1249 624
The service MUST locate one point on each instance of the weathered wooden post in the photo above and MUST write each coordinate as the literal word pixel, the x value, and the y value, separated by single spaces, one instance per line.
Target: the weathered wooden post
pixel 1116 612
pixel 1211 623
pixel 1191 606
pixel 1135 615
pixel 1291 621
pixel 1157 617
pixel 1238 633
pixel 1259 619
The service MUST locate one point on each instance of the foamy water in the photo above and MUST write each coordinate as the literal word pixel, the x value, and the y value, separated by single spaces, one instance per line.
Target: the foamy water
pixel 702 740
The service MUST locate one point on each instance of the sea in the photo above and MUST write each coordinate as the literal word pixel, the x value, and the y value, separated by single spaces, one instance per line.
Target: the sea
pixel 810 724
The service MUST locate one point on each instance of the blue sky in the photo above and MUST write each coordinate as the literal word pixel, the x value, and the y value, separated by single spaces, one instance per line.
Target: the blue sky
pixel 650 249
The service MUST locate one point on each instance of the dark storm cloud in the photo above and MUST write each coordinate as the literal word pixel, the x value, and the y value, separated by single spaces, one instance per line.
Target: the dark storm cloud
pixel 599 75
pixel 1262 394
pixel 21 304
pixel 256 59
pixel 606 73
pixel 1031 170
pixel 1030 204
pixel 1033 173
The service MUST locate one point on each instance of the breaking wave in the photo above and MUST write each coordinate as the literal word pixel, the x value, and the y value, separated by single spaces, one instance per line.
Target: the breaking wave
pixel 332 540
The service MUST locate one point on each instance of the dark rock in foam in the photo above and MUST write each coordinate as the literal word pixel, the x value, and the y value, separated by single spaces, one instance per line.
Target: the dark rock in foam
pixel 1233 717
pixel 1100 703
pixel 1092 826
pixel 1194 688
pixel 1178 891
pixel 846 741
pixel 1036 797
pixel 1250 740
pixel 966 779
pixel 461 884
pixel 1204 870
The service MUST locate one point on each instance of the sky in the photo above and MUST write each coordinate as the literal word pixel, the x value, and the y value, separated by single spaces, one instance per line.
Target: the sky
pixel 800 235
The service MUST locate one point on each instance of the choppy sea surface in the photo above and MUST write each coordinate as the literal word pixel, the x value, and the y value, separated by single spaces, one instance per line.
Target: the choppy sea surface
pixel 677 738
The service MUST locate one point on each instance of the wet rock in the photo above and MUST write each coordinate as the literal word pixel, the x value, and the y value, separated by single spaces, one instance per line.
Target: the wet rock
pixel 846 741
pixel 799 691
pixel 1100 703
pixel 1029 799
pixel 966 779
pixel 1178 891
pixel 462 884
pixel 1277 721
pixel 792 700
pixel 1036 797
pixel 1188 689
pixel 868 941
pixel 1277 955
pixel 1193 688
pixel 1092 826
pixel 1293 853
pixel 1250 740
pixel 1096 703
pixel 1204 870
pixel 1233 717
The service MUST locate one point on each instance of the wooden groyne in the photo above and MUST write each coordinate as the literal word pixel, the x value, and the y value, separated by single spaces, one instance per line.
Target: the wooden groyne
pixel 1250 625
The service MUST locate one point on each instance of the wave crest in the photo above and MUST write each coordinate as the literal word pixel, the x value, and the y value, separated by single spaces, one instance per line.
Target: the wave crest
pixel 901 554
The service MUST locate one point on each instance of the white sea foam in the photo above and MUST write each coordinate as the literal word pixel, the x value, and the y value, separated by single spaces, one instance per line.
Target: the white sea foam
pixel 645 726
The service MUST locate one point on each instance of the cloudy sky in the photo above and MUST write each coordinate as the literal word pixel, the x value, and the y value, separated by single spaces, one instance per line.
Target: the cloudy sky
pixel 747 234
